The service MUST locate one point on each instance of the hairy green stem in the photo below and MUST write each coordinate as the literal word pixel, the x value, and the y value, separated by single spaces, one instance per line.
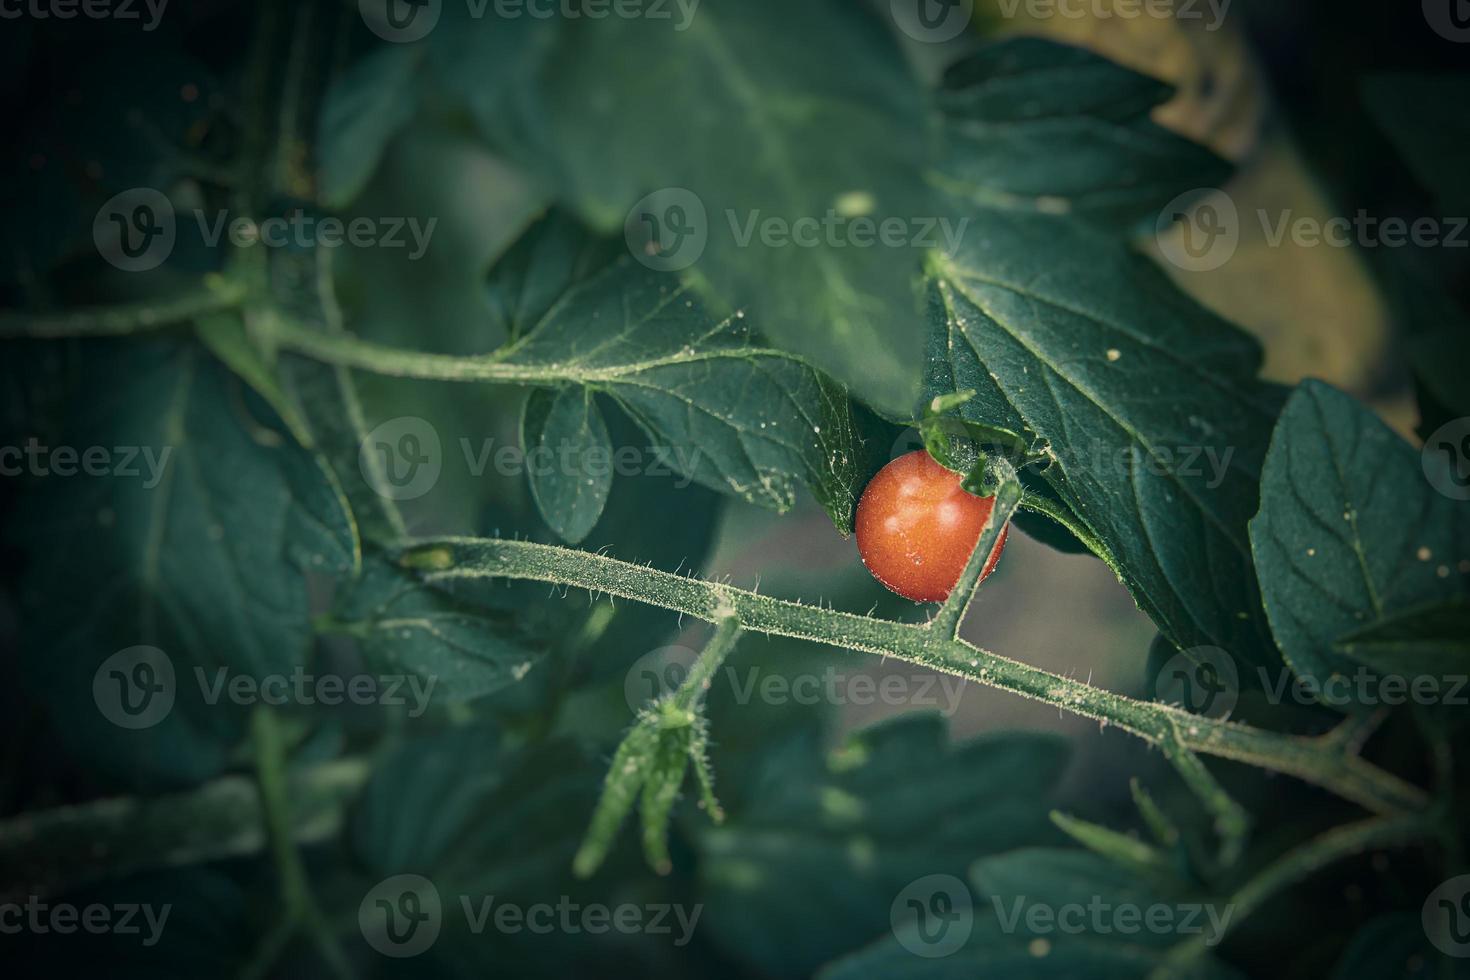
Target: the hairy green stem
pixel 300 905
pixel 691 692
pixel 49 851
pixel 346 350
pixel 951 615
pixel 215 295
pixel 1232 822
pixel 1309 759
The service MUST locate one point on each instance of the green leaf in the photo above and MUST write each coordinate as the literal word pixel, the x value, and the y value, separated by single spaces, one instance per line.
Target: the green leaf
pixel 1130 852
pixel 201 554
pixel 1429 639
pixel 330 406
pixel 463 651
pixel 1032 124
pixel 543 265
pixel 1147 406
pixel 734 416
pixel 807 866
pixel 473 815
pixel 1394 947
pixel 1063 889
pixel 563 432
pixel 756 111
pixel 361 113
pixel 474 64
pixel 1350 533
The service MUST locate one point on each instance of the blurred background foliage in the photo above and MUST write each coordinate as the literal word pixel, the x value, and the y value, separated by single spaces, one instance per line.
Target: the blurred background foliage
pixel 489 132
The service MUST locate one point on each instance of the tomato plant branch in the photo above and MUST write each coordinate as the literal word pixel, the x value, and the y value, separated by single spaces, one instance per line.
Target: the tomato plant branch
pixel 951 615
pixel 301 907
pixel 1232 822
pixel 48 851
pixel 691 692
pixel 349 351
pixel 216 294
pixel 648 768
pixel 1350 777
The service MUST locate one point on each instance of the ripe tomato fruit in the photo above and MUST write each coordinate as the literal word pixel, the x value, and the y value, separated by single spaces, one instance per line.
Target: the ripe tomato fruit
pixel 916 528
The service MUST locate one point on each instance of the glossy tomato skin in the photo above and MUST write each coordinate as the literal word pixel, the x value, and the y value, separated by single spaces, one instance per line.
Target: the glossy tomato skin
pixel 916 528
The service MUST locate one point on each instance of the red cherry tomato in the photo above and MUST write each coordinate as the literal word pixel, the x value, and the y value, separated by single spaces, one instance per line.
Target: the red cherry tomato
pixel 916 528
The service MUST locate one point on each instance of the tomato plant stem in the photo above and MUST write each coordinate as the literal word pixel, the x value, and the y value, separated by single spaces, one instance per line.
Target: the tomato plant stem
pixel 951 615
pixel 300 905
pixel 691 692
pixel 215 294
pixel 1310 759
